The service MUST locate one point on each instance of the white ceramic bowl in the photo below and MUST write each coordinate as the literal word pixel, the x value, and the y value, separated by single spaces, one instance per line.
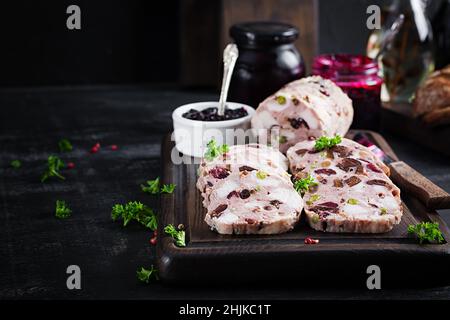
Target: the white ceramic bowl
pixel 191 136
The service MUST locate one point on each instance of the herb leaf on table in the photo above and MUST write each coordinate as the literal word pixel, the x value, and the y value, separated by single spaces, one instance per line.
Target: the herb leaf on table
pixel 135 210
pixel 168 188
pixel 64 145
pixel 54 164
pixel 16 164
pixel 152 186
pixel 178 235
pixel 62 210
pixel 147 275
pixel 426 231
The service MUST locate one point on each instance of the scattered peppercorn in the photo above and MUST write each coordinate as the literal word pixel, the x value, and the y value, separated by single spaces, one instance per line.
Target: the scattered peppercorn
pixel 309 240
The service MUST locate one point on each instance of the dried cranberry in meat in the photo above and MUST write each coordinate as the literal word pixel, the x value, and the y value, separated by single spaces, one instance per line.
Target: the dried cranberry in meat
pixel 218 211
pixel 297 123
pixel 246 168
pixel 219 173
pixel 327 172
pixel 329 204
pixel 244 194
pixel 373 167
pixel 232 194
pixel 352 181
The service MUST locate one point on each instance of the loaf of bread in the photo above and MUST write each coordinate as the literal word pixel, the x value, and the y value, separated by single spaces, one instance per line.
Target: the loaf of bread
pixel 432 100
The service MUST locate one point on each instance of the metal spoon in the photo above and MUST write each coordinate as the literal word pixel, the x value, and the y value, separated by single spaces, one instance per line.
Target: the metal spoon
pixel 230 55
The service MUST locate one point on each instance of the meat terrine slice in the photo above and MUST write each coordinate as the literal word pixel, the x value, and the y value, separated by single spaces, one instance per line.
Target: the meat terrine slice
pixel 247 190
pixel 353 191
pixel 306 108
pixel 249 203
pixel 240 158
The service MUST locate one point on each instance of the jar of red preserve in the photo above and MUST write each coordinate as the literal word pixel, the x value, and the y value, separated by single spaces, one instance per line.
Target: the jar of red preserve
pixel 268 59
pixel 356 75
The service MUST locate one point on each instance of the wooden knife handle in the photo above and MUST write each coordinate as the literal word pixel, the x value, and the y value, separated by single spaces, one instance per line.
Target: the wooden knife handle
pixel 408 179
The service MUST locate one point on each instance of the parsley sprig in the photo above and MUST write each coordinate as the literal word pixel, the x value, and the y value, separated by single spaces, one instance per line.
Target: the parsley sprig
pixel 426 231
pixel 62 210
pixel 327 142
pixel 178 235
pixel 16 164
pixel 135 210
pixel 168 188
pixel 64 145
pixel 213 150
pixel 54 164
pixel 153 187
pixel 147 275
pixel 302 185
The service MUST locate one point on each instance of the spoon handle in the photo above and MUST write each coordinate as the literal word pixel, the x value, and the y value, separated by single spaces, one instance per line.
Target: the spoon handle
pixel 230 55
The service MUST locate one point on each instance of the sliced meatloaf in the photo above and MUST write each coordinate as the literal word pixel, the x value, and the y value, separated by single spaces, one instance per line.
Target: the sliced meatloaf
pixel 248 191
pixel 353 191
pixel 306 108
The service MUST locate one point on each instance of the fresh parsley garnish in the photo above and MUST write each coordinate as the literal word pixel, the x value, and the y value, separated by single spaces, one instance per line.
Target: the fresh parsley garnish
pixel 16 164
pixel 168 188
pixel 147 275
pixel 135 210
pixel 62 209
pixel 65 145
pixel 302 185
pixel 327 142
pixel 152 186
pixel 54 164
pixel 352 201
pixel 178 235
pixel 426 231
pixel 213 150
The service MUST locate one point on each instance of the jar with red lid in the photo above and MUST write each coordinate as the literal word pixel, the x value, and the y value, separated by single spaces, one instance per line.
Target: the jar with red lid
pixel 268 59
pixel 356 75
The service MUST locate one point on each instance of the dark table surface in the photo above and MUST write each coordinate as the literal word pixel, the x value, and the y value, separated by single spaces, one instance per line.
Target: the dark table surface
pixel 36 248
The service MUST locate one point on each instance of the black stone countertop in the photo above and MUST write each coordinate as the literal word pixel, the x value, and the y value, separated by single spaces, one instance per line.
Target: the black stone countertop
pixel 36 247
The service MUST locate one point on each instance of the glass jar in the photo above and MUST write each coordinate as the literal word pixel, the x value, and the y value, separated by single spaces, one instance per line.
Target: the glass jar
pixel 356 75
pixel 267 60
pixel 409 58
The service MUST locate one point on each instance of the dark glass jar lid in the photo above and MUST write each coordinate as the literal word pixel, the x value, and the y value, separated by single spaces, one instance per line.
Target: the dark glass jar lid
pixel 264 33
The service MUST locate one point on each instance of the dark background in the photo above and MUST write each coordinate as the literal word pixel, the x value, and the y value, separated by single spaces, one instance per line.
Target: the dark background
pixel 127 41
pixel 133 41
pixel 121 42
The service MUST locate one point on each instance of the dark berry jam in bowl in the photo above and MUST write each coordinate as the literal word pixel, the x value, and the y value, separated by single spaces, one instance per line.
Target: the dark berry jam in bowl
pixel 211 114
pixel 357 76
pixel 195 124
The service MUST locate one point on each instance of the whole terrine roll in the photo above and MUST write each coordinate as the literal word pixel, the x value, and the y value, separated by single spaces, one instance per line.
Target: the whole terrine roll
pixel 303 109
pixel 352 191
pixel 247 190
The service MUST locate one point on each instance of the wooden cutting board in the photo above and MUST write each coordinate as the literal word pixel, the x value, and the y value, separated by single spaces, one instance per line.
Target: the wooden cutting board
pixel 398 119
pixel 339 258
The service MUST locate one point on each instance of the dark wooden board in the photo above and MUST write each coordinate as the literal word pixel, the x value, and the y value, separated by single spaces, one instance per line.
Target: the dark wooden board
pixel 209 256
pixel 398 119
